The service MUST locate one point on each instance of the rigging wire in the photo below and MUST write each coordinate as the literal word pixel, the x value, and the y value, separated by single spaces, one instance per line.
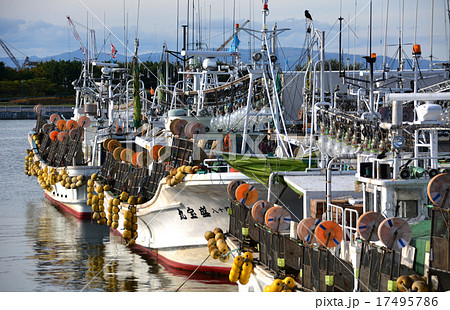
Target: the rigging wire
pixel 120 41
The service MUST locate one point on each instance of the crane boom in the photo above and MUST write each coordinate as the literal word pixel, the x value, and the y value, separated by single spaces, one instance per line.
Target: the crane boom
pixel 77 36
pixel 232 36
pixel 14 60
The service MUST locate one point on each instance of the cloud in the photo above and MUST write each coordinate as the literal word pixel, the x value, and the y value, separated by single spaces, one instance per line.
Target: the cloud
pixel 29 38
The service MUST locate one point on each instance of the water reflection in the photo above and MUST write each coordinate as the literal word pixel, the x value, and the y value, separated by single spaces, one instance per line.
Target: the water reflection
pixel 80 255
pixel 42 249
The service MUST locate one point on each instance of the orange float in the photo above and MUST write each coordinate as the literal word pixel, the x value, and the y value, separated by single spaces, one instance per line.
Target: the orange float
pixel 73 133
pixel 177 126
pixel 259 210
pixel 164 153
pixel 113 144
pixel 126 155
pixel 154 151
pixel 105 143
pixel 368 224
pixel 54 118
pixel 395 233
pixel 306 229
pixel 278 218
pixel 134 159
pixel 117 152
pixel 63 136
pixel 439 190
pixel 84 121
pixel 246 194
pixel 142 159
pixel 194 128
pixel 47 128
pixel 329 234
pixel 61 125
pixel 72 124
pixel 54 135
pixel 38 108
pixel 232 186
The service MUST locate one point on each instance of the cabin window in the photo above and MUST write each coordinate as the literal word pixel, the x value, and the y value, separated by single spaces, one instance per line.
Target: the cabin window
pixel 407 208
pixel 370 201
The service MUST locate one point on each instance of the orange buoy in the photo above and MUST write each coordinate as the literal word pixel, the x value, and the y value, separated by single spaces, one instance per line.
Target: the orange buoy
pixel 54 135
pixel 117 152
pixel 278 218
pixel 194 128
pixel 113 144
pixel 38 108
pixel 368 224
pixel 105 143
pixel 154 151
pixel 84 121
pixel 72 124
pixel 126 155
pixel 54 118
pixel 143 159
pixel 177 126
pixel 134 159
pixel 73 133
pixel 439 190
pixel 164 153
pixel 395 233
pixel 47 128
pixel 246 194
pixel 306 229
pixel 259 210
pixel 63 136
pixel 328 234
pixel 231 188
pixel 61 125
pixel 187 128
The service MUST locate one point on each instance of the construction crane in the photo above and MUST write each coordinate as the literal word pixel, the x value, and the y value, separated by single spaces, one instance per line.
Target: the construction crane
pixel 232 36
pixel 27 61
pixel 77 36
pixel 14 60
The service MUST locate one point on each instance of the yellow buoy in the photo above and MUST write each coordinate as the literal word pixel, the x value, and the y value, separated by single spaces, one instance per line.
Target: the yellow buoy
pixel 248 256
pixel 209 235
pixel 238 261
pixel 289 282
pixel 127 234
pixel 96 216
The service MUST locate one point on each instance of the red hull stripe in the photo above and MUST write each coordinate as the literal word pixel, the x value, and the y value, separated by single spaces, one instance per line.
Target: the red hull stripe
pixel 67 209
pixel 174 264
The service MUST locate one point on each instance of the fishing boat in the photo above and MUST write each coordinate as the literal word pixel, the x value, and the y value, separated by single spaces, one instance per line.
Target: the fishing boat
pixel 362 222
pixel 168 191
pixel 65 153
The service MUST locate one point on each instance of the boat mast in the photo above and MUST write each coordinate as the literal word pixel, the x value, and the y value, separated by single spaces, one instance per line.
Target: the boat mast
pixel 431 34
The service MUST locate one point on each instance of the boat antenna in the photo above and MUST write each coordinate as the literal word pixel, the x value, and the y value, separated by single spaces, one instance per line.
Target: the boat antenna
pixel 137 19
pixel 415 23
pixel 431 34
pixel 340 39
pixel 385 36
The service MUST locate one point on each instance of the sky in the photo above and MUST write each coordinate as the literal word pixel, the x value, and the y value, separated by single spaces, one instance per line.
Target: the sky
pixel 40 27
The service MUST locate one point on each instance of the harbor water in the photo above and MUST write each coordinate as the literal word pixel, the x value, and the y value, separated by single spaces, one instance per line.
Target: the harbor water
pixel 44 250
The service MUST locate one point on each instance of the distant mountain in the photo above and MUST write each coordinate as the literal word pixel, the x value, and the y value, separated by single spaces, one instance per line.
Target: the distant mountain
pixel 293 55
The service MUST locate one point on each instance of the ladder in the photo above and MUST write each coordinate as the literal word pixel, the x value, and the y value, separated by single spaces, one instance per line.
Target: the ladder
pixel 441 87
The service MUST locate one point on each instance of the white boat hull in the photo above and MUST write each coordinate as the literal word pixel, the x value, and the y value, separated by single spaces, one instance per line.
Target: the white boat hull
pixel 172 225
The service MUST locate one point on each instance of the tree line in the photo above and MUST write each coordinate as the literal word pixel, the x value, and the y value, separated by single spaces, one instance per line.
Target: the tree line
pixel 54 78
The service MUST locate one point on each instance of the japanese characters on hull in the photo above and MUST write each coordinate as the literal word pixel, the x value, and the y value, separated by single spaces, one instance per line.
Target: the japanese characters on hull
pixel 200 212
